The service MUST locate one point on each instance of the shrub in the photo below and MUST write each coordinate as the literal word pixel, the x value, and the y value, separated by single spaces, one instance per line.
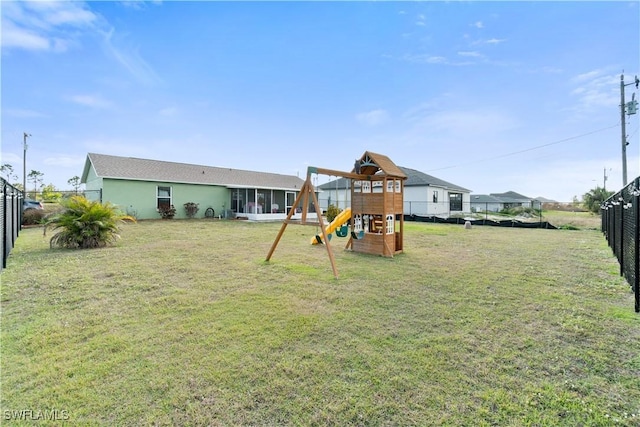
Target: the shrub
pixel 85 224
pixel 167 212
pixel 520 210
pixel 32 216
pixel 191 209
pixel 332 212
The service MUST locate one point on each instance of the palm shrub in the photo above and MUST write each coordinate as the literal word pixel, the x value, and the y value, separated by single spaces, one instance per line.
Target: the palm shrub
pixel 84 224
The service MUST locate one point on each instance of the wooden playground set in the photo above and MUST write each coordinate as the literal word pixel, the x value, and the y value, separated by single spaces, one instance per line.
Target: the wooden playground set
pixel 374 223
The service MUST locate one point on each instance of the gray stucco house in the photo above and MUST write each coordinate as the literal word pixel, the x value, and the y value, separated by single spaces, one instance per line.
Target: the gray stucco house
pixel 141 186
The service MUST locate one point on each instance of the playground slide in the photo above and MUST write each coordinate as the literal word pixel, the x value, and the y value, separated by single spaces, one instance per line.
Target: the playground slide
pixel 337 222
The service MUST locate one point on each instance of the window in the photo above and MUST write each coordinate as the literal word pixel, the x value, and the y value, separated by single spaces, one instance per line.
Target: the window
pixel 390 224
pixel 435 197
pixel 357 223
pixel 163 197
pixel 455 201
pixel 398 185
pixel 390 186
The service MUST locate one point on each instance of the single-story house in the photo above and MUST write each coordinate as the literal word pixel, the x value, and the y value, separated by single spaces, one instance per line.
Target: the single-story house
pixel 424 195
pixel 140 187
pixel 496 202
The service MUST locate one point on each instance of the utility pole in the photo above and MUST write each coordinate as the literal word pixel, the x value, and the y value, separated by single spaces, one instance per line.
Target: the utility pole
pixel 604 182
pixel 24 164
pixel 630 109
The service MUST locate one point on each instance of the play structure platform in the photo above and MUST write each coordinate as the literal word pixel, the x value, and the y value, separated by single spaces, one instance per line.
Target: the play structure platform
pixel 374 223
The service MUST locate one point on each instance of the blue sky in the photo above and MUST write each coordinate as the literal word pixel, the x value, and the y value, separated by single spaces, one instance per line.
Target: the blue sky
pixel 491 96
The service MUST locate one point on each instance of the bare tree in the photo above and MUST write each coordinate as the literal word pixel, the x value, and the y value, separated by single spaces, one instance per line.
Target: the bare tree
pixel 7 170
pixel 35 177
pixel 75 183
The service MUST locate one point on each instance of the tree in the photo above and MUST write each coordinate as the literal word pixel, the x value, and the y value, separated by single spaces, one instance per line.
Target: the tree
pixel 84 224
pixel 50 193
pixel 594 199
pixel 7 170
pixel 75 183
pixel 36 178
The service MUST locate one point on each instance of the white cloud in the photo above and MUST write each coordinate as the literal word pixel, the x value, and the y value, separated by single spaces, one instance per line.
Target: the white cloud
pixel 470 122
pixel 59 26
pixel 373 117
pixel 15 37
pixel 44 25
pixel 433 59
pixel 169 111
pixel 94 101
pixel 472 54
pixel 130 59
pixel 590 75
pixel 23 114
pixel 65 161
pixel 478 24
pixel 493 41
pixel 595 89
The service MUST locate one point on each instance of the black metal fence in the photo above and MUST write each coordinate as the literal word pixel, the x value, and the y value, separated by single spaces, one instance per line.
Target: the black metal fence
pixel 621 228
pixel 11 218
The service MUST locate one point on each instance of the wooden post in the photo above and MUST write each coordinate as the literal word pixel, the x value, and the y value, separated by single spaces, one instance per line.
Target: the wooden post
pixel 303 197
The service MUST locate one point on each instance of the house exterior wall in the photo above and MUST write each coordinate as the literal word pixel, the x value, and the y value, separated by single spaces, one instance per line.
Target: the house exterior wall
pixel 340 198
pixel 420 200
pixel 486 207
pixel 139 198
pixel 93 186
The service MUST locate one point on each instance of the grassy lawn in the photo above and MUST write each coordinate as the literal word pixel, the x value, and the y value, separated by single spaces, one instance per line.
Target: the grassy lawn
pixel 184 323
pixel 580 220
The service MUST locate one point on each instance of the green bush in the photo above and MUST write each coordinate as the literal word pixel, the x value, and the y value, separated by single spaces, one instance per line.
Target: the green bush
pixel 520 210
pixel 32 216
pixel 84 224
pixel 332 212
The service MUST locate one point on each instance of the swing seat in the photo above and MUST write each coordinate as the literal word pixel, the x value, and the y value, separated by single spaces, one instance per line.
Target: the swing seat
pixel 319 238
pixel 359 235
pixel 342 231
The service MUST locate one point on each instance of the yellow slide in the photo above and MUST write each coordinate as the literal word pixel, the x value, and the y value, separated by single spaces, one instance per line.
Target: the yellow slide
pixel 337 222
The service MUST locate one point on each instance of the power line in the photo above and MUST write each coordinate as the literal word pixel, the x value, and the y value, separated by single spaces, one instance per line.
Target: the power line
pixel 525 150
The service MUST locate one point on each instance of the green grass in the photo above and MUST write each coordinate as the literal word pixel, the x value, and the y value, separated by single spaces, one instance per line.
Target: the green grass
pixel 580 220
pixel 184 323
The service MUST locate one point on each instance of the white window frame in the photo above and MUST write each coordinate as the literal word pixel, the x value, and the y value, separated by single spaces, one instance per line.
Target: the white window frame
pixel 390 224
pixel 158 196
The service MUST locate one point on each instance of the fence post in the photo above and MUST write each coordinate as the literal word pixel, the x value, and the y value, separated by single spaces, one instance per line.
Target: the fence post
pixel 4 224
pixel 622 239
pixel 636 284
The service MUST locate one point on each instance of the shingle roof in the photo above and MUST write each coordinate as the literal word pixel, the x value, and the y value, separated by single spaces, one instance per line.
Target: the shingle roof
pixel 372 163
pixel 131 168
pixel 484 198
pixel 414 178
pixel 417 178
pixel 510 196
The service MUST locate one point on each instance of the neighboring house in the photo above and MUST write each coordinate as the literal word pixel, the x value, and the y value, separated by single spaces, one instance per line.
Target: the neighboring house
pixel 496 202
pixel 140 187
pixel 485 203
pixel 424 195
